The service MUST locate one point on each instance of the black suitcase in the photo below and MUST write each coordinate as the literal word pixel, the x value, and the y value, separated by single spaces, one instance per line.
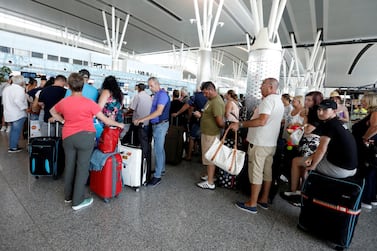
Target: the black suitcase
pixel 174 144
pixel 46 155
pixel 331 207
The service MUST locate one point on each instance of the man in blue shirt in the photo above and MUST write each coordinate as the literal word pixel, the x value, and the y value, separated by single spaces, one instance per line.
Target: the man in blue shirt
pixel 88 91
pixel 159 118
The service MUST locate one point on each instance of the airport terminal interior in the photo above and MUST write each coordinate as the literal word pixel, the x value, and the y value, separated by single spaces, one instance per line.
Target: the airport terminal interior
pixel 175 215
pixel 307 45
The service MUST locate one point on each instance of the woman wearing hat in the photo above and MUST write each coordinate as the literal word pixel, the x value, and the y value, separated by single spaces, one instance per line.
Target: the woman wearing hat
pixel 342 111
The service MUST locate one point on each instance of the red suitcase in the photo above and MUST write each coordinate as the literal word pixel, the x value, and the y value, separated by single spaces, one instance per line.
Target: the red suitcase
pixel 107 183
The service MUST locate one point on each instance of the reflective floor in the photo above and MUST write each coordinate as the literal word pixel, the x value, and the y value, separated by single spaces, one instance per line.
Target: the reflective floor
pixel 175 215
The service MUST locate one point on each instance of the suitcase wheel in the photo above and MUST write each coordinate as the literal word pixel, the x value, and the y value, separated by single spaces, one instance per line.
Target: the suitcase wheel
pixel 36 177
pixel 137 189
pixel 106 200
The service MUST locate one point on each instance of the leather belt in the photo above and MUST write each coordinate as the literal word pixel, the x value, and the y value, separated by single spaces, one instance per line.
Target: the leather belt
pixel 164 121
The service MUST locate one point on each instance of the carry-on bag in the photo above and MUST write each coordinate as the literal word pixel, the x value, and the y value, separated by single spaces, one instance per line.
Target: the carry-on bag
pixel 107 183
pixel 174 143
pixel 134 171
pixel 46 155
pixel 331 207
pixel 109 139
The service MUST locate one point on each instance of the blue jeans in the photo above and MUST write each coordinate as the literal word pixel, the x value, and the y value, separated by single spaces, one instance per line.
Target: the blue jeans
pixel 15 132
pixel 159 133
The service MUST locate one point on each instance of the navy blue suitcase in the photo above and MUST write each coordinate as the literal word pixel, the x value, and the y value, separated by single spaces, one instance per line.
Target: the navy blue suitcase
pixel 331 207
pixel 46 156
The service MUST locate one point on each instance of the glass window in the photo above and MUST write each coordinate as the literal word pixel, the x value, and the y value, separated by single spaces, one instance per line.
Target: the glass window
pixel 52 57
pixel 36 54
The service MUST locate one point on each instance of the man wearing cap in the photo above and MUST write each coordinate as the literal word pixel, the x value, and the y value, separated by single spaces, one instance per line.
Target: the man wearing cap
pixel 336 155
pixel 88 91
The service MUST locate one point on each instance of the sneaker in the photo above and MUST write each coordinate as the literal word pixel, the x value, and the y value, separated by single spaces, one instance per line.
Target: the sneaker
pixel 154 182
pixel 298 192
pixel 8 129
pixel 366 206
pixel 242 206
pixel 14 150
pixel 85 203
pixel 3 129
pixel 206 185
pixel 374 203
pixel 283 178
pixel 205 178
pixel 263 205
pixel 67 201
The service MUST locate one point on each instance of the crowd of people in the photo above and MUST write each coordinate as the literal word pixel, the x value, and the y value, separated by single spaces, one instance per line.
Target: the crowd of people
pixel 326 144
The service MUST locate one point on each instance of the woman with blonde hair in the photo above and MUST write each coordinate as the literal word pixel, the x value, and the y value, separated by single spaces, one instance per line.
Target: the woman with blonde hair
pixel 365 133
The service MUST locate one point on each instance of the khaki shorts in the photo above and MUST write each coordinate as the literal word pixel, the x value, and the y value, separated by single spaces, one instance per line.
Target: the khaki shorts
pixel 206 142
pixel 260 163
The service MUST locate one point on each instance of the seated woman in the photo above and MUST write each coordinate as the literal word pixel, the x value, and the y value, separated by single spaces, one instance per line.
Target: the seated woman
pixel 296 116
pixel 308 143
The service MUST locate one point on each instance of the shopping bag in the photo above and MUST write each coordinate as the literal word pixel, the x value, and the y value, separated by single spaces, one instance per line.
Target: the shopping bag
pixel 296 136
pixel 229 159
pixel 109 139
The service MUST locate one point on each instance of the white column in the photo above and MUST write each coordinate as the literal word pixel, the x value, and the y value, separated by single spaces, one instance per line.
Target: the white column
pixel 206 32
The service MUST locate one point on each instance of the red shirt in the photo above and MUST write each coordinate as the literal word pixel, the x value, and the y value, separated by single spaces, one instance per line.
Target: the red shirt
pixel 78 113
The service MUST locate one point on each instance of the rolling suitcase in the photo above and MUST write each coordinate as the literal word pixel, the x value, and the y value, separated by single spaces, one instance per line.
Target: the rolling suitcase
pixel 134 171
pixel 107 183
pixel 331 207
pixel 46 155
pixel 174 143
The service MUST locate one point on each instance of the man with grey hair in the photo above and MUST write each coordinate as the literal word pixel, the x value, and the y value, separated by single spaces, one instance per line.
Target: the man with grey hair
pixel 15 106
pixel 263 132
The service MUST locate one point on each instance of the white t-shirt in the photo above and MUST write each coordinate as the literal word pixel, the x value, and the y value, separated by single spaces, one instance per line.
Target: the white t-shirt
pixel 268 134
pixel 15 103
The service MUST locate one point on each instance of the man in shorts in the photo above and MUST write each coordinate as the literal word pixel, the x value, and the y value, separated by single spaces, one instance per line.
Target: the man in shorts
pixel 263 133
pixel 212 120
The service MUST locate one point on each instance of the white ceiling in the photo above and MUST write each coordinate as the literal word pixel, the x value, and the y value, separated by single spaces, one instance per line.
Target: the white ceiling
pixel 348 25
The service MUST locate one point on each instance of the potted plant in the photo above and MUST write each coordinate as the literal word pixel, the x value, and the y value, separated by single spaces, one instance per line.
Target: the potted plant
pixel 4 71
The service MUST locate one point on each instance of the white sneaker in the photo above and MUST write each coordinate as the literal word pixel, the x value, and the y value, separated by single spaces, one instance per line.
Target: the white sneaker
pixel 298 192
pixel 206 185
pixel 205 178
pixel 3 129
pixel 85 203
pixel 374 203
pixel 366 206
pixel 8 129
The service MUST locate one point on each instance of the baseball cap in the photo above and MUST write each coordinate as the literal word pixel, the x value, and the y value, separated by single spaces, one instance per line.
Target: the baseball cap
pixel 328 103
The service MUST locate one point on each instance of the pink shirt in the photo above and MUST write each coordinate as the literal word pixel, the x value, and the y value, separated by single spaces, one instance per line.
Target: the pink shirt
pixel 78 113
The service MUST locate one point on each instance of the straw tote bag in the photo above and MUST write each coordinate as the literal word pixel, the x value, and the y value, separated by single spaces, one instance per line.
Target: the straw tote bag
pixel 229 159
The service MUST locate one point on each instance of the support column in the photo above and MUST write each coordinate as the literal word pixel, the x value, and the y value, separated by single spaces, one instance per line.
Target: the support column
pixel 206 33
pixel 264 62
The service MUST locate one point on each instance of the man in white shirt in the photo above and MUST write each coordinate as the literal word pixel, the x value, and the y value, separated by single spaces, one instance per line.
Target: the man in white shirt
pixel 263 133
pixel 15 106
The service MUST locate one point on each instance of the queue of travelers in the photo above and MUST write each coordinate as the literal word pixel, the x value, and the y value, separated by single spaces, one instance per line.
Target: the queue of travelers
pixel 326 146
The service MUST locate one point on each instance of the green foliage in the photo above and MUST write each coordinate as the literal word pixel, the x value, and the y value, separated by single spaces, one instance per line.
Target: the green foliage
pixel 4 71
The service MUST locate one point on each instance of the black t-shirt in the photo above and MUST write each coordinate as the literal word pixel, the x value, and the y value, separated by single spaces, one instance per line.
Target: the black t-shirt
pixel 341 150
pixel 314 120
pixel 50 96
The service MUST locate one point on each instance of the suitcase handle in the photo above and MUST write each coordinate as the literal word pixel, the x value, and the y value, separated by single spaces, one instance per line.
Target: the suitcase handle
pixel 56 128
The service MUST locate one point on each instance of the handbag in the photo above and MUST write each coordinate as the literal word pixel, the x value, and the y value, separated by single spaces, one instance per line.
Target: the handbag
pixel 229 159
pixel 296 136
pixel 109 139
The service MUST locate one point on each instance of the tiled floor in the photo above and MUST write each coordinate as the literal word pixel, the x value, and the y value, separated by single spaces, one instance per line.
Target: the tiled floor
pixel 175 215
